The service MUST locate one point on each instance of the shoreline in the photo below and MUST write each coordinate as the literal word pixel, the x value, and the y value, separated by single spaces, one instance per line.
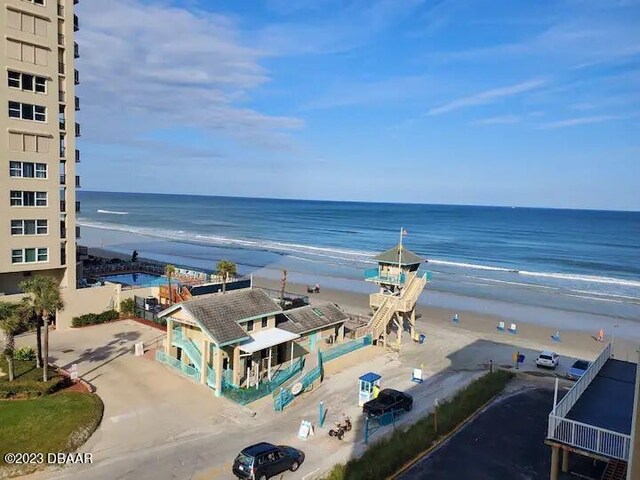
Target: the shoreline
pixel 443 304
pixel 577 343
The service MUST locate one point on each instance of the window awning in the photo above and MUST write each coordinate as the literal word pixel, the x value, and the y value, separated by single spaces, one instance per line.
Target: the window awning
pixel 267 338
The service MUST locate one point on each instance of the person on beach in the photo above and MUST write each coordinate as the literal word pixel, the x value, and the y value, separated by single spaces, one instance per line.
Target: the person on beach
pixel 601 335
pixel 317 289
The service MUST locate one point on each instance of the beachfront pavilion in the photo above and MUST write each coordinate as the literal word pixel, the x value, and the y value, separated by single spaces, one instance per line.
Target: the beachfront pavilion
pixel 599 418
pixel 244 337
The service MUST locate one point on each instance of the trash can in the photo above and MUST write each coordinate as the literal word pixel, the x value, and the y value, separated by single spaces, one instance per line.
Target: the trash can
pixel 421 338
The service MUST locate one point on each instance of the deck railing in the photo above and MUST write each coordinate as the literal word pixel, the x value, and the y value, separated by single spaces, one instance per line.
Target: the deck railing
pixel 590 438
pixel 187 370
pixel 578 388
pixel 581 435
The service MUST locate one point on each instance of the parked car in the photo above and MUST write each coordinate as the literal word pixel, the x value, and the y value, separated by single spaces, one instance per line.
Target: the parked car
pixel 264 460
pixel 577 369
pixel 388 400
pixel 548 359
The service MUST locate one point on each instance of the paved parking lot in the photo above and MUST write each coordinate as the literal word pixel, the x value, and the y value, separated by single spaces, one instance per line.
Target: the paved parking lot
pixel 506 442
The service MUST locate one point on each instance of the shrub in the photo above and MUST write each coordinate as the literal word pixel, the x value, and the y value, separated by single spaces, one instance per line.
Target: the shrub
pixel 127 306
pixel 24 354
pixel 95 318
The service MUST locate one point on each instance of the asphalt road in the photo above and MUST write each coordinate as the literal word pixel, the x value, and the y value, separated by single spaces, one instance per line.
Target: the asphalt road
pixel 506 442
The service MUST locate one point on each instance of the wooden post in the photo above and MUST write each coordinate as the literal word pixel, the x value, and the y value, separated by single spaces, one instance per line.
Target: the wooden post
pixel 292 348
pixel 565 460
pixel 555 454
pixel 203 362
pixel 167 347
pixel 269 363
pixel 236 365
pixel 283 285
pixel 413 323
pixel 219 371
pixel 435 415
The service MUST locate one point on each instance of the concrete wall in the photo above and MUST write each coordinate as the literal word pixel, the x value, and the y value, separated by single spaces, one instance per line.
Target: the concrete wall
pixel 88 300
pixel 140 292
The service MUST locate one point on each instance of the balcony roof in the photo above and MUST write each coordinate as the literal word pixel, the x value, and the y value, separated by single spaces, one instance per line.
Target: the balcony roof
pixel 608 400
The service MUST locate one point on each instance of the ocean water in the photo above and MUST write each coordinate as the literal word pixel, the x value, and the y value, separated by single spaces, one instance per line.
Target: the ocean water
pixel 587 262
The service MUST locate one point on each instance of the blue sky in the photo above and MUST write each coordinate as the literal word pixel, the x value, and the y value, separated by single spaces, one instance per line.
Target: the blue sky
pixel 463 102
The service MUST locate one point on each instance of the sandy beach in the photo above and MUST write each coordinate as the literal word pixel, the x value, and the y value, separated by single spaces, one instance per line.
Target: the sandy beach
pixel 437 321
pixel 572 343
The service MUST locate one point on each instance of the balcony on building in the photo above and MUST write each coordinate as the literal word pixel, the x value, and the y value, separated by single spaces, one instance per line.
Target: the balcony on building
pixel 77 101
pixel 77 207
pixel 63 179
pixel 77 156
pixel 75 23
pixel 63 230
pixel 594 419
pixel 61 96
pixel 76 50
pixel 63 206
pixel 63 151
pixel 77 232
pixel 60 10
pixel 76 77
pixel 60 39
pixel 62 123
pixel 78 181
pixel 61 68
pixel 77 129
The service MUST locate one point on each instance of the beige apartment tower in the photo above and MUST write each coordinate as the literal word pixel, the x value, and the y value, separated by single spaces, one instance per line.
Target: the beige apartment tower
pixel 38 154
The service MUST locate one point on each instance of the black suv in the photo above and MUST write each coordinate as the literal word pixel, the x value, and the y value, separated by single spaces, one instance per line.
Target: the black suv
pixel 388 400
pixel 264 460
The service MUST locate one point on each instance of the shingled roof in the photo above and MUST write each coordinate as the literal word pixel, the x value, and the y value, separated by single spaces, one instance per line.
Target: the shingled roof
pixel 312 317
pixel 220 313
pixel 392 256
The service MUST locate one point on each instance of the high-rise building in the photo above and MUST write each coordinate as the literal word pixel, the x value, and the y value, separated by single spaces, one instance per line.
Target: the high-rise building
pixel 38 132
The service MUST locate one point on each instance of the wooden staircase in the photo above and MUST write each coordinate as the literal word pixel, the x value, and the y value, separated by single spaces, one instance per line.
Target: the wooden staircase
pixel 403 303
pixel 616 470
pixel 382 317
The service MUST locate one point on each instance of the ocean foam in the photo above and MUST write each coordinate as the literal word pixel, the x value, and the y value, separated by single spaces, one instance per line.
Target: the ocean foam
pixel 110 212
pixel 341 254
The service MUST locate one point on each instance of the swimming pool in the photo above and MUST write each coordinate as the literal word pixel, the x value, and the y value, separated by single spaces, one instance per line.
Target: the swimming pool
pixel 136 279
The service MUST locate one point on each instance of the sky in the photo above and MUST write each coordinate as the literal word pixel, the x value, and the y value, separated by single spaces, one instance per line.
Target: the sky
pixel 422 101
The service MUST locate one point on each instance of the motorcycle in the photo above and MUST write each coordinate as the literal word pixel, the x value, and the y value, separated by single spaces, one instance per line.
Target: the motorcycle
pixel 341 428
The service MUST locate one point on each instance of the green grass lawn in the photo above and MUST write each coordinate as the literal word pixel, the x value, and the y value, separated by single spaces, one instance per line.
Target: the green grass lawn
pixel 54 423
pixel 28 380
pixel 388 455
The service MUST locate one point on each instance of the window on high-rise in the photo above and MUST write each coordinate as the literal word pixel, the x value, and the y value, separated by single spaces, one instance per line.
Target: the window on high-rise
pixel 26 111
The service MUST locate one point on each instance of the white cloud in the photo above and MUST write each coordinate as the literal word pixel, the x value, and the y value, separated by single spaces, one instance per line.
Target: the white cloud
pixel 499 120
pixel 160 66
pixel 488 96
pixel 572 122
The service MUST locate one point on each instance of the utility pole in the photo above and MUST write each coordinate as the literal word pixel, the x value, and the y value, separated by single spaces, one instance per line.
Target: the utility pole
pixel 283 284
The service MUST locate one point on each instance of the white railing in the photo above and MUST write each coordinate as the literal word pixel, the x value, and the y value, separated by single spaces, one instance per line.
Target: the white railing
pixel 581 435
pixel 581 384
pixel 590 438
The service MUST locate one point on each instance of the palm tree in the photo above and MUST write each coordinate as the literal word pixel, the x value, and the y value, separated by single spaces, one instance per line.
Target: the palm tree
pixel 170 271
pixel 10 324
pixel 29 316
pixel 224 268
pixel 46 300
